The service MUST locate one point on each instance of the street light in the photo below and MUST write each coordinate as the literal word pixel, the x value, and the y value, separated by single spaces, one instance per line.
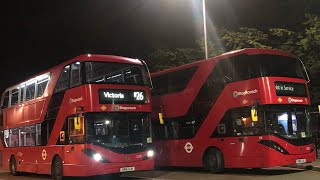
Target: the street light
pixel 205 28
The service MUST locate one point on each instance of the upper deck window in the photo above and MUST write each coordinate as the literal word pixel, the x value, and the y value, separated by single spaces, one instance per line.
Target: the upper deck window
pixel 14 97
pixel 261 65
pixel 173 82
pixel 30 90
pixel 115 73
pixel 5 102
pixel 63 82
pixel 42 82
pixel 75 74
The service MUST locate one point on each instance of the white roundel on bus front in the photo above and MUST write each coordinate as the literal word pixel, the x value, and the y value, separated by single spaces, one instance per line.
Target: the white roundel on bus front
pixel 188 147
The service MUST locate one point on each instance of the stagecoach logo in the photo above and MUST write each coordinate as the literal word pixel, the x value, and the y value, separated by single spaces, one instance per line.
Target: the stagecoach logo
pixel 117 108
pixel 127 158
pixel 44 154
pixel 292 100
pixel 75 100
pixel 244 93
pixel 188 147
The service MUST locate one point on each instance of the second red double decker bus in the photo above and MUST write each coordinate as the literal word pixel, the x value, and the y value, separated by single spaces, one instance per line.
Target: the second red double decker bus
pixel 243 109
pixel 88 116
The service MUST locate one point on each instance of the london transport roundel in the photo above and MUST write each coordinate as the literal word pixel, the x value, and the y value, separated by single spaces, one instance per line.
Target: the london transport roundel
pixel 188 147
pixel 44 154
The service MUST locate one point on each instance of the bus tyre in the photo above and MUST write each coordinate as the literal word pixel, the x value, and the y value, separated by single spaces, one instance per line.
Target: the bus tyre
pixel 13 166
pixel 57 169
pixel 213 161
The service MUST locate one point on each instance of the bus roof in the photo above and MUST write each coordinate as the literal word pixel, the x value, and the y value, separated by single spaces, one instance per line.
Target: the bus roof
pixel 87 57
pixel 250 51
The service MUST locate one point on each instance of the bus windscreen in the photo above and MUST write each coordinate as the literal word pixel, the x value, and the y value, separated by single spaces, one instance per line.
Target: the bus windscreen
pixel 115 73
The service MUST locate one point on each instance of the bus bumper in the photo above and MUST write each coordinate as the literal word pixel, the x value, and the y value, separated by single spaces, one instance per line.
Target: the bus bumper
pixel 278 159
pixel 270 159
pixel 105 168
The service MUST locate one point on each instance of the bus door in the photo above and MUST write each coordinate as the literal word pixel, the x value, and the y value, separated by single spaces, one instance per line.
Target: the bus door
pixel 71 135
pixel 242 129
pixel 181 146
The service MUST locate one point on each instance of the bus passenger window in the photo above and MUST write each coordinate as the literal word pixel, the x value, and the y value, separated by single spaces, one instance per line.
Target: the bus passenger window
pixel 22 134
pixel 42 84
pixel 5 102
pixel 63 82
pixel 30 135
pixel 14 97
pixel 75 74
pixel 30 90
pixel 38 134
pixel 14 137
pixel 243 123
pixel 6 137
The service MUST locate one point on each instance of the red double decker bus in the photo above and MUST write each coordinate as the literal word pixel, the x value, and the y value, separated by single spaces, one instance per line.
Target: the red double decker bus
pixel 247 108
pixel 88 116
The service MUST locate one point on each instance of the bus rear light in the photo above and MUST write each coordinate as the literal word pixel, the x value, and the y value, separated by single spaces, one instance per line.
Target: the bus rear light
pixel 274 145
pixel 96 156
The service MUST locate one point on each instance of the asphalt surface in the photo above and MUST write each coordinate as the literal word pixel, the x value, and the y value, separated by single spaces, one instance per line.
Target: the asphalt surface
pixel 280 173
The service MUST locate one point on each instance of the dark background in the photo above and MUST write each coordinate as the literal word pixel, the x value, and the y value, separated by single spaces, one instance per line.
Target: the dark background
pixel 36 35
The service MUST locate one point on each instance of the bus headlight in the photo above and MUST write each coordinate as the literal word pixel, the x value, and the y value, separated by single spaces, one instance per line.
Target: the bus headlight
pixel 97 157
pixel 150 153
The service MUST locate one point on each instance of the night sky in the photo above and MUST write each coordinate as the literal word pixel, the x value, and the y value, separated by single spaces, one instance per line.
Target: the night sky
pixel 36 35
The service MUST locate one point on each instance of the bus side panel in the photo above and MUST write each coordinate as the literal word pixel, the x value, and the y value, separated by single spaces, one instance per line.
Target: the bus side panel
pixel 13 116
pixel 73 98
pixel 40 108
pixel 5 159
pixel 29 111
pixel 33 110
pixel 46 155
pixel 27 158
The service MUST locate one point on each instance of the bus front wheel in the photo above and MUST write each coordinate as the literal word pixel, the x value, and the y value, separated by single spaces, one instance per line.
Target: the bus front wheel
pixel 57 169
pixel 213 161
pixel 13 166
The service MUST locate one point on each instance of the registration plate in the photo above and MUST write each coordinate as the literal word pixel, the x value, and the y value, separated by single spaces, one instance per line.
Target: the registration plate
pixel 126 169
pixel 300 161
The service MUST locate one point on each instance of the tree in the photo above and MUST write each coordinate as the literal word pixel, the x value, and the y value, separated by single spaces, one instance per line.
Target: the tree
pixel 244 38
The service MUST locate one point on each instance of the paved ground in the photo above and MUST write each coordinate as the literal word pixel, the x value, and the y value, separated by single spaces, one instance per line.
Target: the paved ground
pixel 280 173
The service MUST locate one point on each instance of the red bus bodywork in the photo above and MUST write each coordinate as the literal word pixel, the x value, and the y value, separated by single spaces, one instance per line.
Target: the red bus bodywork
pixel 39 159
pixel 238 151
